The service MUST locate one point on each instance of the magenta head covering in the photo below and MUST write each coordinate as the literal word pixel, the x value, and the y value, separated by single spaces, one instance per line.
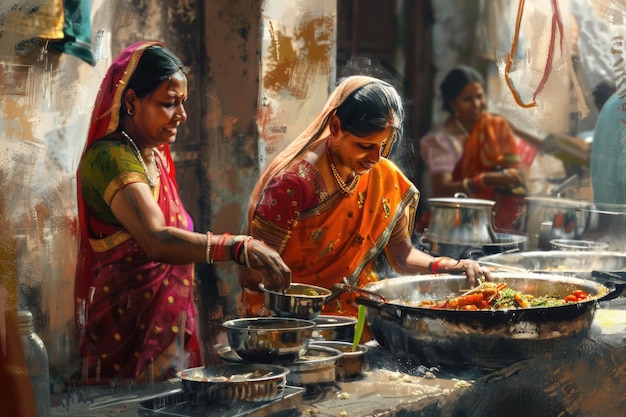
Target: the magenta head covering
pixel 105 116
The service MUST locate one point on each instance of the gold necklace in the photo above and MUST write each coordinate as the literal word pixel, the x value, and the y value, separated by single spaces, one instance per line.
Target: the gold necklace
pixel 461 127
pixel 345 188
pixel 151 182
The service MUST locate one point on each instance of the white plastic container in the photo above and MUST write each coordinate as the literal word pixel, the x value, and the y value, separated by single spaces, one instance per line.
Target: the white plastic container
pixel 37 361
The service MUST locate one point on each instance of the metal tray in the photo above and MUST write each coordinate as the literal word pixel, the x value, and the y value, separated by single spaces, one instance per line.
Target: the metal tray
pixel 176 404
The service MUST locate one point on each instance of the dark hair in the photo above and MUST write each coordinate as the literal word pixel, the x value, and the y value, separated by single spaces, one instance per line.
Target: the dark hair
pixel 602 92
pixel 370 109
pixel 455 82
pixel 156 65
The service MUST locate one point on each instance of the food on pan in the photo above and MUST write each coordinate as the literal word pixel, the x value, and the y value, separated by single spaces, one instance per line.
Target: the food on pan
pixel 201 377
pixel 310 292
pixel 498 296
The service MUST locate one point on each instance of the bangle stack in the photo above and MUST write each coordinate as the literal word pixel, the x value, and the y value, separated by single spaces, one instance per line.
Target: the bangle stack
pixel 239 248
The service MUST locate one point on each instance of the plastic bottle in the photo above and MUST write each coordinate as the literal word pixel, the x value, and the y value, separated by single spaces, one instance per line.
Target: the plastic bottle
pixel 37 360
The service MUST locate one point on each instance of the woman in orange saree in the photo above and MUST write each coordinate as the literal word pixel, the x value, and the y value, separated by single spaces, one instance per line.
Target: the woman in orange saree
pixel 332 202
pixel 473 151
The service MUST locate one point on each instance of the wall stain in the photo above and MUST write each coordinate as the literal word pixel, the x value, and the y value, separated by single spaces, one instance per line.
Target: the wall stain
pixel 293 60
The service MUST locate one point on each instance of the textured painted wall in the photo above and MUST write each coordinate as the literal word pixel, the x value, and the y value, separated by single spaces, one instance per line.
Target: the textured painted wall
pixel 44 113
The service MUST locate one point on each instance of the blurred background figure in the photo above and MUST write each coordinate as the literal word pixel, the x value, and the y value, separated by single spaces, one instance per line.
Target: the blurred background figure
pixel 601 93
pixel 472 151
pixel 608 153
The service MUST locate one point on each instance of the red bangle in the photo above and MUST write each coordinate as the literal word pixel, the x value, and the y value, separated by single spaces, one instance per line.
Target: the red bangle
pixel 479 181
pixel 238 249
pixel 433 266
pixel 218 254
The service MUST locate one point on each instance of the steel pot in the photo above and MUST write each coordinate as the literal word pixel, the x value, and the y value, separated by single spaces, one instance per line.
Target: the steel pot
pixel 504 242
pixel 461 220
pixel 483 340
pixel 548 218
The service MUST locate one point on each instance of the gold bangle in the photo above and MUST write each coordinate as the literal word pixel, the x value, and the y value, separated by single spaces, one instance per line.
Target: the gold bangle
pixel 208 247
pixel 246 257
pixel 466 185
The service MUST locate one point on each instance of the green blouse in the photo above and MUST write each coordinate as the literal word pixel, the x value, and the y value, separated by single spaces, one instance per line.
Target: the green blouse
pixel 106 167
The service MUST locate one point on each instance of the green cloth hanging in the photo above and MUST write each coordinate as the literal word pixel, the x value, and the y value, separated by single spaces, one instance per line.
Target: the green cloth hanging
pixel 76 30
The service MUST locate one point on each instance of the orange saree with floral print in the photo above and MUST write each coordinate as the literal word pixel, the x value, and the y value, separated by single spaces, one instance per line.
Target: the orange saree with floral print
pixel 339 236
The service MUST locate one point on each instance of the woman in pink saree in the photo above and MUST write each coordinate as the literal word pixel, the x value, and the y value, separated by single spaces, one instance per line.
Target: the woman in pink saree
pixel 135 279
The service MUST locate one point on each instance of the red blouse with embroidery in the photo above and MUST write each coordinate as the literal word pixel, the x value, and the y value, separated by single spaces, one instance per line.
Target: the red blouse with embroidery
pixel 292 192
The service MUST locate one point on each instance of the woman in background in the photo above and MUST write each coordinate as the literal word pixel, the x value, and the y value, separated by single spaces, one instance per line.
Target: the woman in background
pixel 135 280
pixel 472 151
pixel 331 202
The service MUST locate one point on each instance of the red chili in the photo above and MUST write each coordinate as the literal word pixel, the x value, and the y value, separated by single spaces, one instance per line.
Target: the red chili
pixel 571 298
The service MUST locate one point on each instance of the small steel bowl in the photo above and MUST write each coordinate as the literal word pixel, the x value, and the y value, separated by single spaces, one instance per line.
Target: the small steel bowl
pixel 300 301
pixel 578 245
pixel 350 365
pixel 337 328
pixel 318 365
pixel 269 339
pixel 241 382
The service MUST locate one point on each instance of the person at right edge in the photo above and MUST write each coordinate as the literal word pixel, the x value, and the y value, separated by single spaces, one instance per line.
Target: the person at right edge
pixel 473 151
pixel 608 153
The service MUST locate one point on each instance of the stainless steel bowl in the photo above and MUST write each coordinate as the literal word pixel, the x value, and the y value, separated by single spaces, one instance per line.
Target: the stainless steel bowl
pixel 350 365
pixel 269 339
pixel 318 365
pixel 336 328
pixel 300 301
pixel 578 245
pixel 241 382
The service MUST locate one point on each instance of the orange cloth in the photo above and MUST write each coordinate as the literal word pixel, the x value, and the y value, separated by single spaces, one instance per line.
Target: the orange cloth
pixel 490 144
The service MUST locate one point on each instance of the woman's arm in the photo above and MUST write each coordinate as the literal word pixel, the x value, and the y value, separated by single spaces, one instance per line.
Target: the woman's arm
pixel 407 260
pixel 135 208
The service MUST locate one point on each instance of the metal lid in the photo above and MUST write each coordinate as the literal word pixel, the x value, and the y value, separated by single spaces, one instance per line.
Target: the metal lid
pixel 559 202
pixel 460 202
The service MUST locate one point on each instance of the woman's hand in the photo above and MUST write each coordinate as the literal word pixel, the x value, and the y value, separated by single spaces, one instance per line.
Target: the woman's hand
pixel 507 179
pixel 276 274
pixel 472 269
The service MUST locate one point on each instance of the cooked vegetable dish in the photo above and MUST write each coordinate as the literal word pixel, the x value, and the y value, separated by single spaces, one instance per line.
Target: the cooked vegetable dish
pixel 498 296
